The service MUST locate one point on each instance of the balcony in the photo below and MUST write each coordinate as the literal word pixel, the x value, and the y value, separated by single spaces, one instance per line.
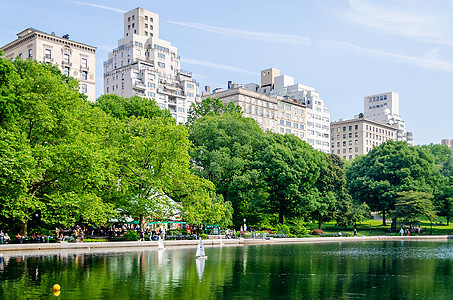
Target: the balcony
pixel 139 86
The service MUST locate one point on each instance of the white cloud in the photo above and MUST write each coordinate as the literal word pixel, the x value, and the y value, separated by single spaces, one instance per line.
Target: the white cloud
pixel 396 22
pixel 249 35
pixel 100 6
pixel 427 63
pixel 216 66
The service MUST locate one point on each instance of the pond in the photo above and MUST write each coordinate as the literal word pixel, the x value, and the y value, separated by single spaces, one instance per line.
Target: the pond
pixel 348 270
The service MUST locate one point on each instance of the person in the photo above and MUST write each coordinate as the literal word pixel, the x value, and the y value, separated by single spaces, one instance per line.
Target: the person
pixel 6 238
pixel 162 233
pixel 401 231
pixel 142 236
pixel 408 232
pixel 19 238
pixel 355 232
pixel 340 234
pixel 1 237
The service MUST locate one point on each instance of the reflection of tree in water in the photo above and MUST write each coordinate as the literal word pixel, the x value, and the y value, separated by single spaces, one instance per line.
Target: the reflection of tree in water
pixel 276 271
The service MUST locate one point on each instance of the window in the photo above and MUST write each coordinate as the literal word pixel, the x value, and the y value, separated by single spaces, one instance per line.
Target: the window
pixel 129 19
pixel 356 127
pixel 151 85
pixel 66 58
pixel 160 55
pixel 30 53
pixel 66 71
pixel 282 122
pixel 146 18
pixel 84 88
pixel 48 53
pixel 133 16
pixel 161 65
pixel 84 75
pixel 146 25
pixel 181 109
pixel 288 123
pixel 84 63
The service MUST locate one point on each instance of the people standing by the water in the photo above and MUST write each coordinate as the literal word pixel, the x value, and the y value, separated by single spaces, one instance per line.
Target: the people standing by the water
pixel 355 232
pixel 401 231
pixel 340 234
pixel 19 238
pixel 2 235
pixel 408 232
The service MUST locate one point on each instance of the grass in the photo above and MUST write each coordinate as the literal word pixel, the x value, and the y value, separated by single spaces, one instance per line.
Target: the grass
pixel 371 227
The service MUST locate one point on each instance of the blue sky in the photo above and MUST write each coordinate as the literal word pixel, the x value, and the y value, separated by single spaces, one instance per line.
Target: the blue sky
pixel 344 49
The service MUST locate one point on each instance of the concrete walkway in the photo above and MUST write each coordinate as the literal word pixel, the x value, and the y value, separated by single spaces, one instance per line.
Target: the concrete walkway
pixel 133 246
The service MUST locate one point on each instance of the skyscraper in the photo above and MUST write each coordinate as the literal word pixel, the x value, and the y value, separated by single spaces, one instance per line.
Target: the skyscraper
pixel 145 65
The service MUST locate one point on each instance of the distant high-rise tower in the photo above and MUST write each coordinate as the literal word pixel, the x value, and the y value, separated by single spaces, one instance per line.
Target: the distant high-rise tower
pixel 384 108
pixel 147 66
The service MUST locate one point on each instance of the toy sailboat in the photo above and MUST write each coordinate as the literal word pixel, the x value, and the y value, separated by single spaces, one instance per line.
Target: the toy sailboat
pixel 200 251
pixel 161 244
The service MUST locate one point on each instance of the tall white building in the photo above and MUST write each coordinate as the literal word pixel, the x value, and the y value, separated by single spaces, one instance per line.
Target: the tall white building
pixel 147 66
pixel 280 106
pixel 317 115
pixel 384 108
pixel 72 58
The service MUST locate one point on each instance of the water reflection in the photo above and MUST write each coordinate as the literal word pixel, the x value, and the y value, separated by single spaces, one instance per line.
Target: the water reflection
pixel 334 270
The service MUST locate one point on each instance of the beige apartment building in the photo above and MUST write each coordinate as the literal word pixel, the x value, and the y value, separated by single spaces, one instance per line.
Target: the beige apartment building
pixel 277 115
pixel 448 143
pixel 72 58
pixel 350 138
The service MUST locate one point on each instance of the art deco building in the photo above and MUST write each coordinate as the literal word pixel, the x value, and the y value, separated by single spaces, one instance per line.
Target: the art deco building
pixel 147 66
pixel 72 58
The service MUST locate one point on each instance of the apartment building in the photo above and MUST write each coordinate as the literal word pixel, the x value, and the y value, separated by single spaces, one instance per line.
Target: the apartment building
pixel 350 138
pixel 72 58
pixel 280 106
pixel 145 65
pixel 384 108
pixel 448 143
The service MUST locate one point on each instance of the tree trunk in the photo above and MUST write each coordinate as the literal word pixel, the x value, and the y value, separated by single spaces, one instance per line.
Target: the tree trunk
pixel 24 228
pixel 448 221
pixel 319 222
pixel 142 223
pixel 383 218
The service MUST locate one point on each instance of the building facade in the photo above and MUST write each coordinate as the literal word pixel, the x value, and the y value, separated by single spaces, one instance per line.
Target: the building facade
pixel 146 66
pixel 384 108
pixel 448 143
pixel 72 58
pixel 350 138
pixel 280 106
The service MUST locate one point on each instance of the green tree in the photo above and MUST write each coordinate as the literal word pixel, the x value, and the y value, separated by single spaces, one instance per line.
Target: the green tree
pixel 53 160
pixel 224 152
pixel 153 170
pixel 211 107
pixel 291 168
pixel 390 168
pixel 443 158
pixel 411 206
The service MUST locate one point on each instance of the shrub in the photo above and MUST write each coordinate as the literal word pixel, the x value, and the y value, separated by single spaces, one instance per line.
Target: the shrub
pixel 204 236
pixel 131 235
pixel 317 231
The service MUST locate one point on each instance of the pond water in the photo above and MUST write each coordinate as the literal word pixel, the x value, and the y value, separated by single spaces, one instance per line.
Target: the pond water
pixel 348 270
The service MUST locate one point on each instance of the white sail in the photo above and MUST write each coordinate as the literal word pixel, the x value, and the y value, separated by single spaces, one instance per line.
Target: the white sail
pixel 200 250
pixel 161 244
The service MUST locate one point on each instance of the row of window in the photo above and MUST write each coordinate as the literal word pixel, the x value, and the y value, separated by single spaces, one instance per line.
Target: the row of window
pixel 146 18
pixel 377 98
pixel 66 57
pixel 356 134
pixel 377 106
pixel 289 124
pixel 83 74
